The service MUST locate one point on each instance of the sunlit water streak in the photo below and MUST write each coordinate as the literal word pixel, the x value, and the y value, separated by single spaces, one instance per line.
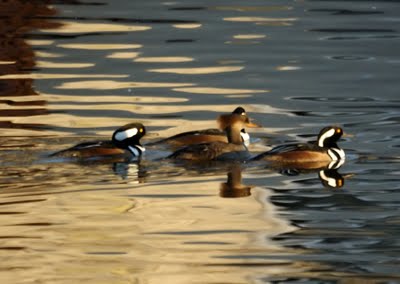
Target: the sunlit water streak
pixel 76 71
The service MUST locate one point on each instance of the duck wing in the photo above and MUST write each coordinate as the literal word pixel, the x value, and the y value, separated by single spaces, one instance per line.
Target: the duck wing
pixel 287 148
pixel 206 151
pixel 89 148
pixel 91 144
pixel 181 138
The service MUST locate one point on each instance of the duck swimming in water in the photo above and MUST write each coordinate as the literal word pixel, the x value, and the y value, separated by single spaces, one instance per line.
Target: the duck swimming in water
pixel 208 135
pixel 324 153
pixel 233 149
pixel 125 142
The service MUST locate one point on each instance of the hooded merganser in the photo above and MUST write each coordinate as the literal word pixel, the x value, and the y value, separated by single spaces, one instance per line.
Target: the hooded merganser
pixel 234 149
pixel 125 143
pixel 208 135
pixel 321 154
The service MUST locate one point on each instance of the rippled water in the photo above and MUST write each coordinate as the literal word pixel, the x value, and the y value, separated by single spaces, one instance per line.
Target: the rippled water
pixel 76 70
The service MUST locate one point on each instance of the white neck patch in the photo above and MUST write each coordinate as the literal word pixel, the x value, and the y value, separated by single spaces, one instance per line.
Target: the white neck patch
pixel 324 136
pixel 122 135
pixel 336 154
pixel 136 150
pixel 140 147
pixel 246 138
pixel 336 164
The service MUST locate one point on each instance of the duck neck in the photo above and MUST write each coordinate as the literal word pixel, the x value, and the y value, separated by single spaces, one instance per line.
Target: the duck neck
pixel 132 145
pixel 136 150
pixel 233 135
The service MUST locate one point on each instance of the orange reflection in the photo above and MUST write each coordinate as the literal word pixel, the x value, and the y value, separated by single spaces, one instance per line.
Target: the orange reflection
pixel 17 19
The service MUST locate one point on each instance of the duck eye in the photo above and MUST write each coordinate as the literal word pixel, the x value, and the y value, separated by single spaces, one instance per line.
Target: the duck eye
pixel 141 130
pixel 338 130
pixel 243 113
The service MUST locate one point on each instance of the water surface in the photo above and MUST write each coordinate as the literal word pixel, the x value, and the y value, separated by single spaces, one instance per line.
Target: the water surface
pixel 76 70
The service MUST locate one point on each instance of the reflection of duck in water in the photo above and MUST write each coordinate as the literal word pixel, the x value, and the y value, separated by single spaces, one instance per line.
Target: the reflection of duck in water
pixel 329 176
pixel 208 135
pixel 324 153
pixel 132 172
pixel 125 143
pixel 233 187
pixel 323 156
pixel 233 150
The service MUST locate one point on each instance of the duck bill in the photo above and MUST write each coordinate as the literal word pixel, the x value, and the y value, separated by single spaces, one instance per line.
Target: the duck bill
pixel 252 124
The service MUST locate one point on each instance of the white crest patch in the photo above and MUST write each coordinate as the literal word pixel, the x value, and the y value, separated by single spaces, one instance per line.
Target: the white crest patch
pixel 122 135
pixel 324 136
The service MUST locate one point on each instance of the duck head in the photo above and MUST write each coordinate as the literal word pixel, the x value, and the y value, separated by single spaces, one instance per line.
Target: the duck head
pixel 128 137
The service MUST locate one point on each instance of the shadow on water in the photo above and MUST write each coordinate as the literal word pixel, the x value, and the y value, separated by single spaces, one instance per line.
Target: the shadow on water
pixel 17 20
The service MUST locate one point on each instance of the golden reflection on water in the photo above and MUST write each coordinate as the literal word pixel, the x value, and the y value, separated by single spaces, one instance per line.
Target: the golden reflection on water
pixel 7 62
pixel 57 98
pixel 198 70
pixel 113 85
pixel 45 76
pixel 80 27
pixel 99 46
pixel 218 91
pixel 287 68
pixel 18 19
pixel 187 26
pixel 178 231
pixel 39 42
pixel 123 55
pixel 265 21
pixel 48 64
pixel 48 54
pixel 258 19
pixel 249 36
pixel 70 223
pixel 164 59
